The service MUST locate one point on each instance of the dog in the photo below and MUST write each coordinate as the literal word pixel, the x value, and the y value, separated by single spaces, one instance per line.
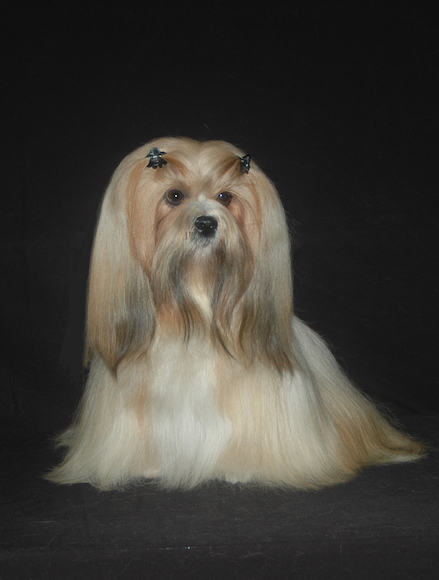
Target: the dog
pixel 198 368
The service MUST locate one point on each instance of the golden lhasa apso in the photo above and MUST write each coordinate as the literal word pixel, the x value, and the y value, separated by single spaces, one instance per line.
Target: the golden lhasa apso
pixel 198 368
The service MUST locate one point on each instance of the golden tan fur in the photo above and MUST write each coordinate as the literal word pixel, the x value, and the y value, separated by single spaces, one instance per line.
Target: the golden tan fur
pixel 198 367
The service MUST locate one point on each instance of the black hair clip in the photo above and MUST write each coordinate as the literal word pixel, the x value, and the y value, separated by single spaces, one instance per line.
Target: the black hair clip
pixel 245 163
pixel 155 158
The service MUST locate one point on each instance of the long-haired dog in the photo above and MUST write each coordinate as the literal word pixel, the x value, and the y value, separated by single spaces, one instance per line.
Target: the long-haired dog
pixel 198 368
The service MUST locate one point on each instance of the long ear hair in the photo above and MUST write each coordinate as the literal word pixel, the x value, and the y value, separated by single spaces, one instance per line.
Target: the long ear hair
pixel 120 313
pixel 268 303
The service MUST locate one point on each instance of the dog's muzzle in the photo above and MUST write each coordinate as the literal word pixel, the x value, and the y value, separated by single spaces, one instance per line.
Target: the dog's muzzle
pixel 206 225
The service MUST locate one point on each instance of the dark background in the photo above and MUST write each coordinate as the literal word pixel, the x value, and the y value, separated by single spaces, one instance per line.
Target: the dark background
pixel 339 105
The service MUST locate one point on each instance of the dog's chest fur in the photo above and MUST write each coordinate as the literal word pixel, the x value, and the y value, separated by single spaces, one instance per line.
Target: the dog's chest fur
pixel 189 431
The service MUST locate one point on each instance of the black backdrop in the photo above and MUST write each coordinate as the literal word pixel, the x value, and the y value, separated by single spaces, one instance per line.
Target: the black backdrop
pixel 342 114
pixel 338 105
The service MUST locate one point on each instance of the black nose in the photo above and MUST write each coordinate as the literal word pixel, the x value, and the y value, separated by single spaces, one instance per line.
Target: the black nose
pixel 206 225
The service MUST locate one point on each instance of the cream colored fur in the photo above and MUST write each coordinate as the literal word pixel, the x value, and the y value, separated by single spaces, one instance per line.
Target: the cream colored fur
pixel 199 369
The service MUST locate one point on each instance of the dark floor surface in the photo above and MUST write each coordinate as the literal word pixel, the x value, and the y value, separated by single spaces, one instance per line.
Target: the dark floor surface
pixel 383 524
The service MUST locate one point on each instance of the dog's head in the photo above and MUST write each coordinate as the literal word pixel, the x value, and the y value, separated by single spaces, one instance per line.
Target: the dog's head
pixel 191 240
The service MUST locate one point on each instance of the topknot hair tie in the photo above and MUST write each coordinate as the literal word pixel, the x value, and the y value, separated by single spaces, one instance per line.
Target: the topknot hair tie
pixel 155 158
pixel 245 163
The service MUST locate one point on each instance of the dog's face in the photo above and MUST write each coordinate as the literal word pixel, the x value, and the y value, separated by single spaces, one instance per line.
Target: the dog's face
pixel 197 202
pixel 212 244
pixel 195 227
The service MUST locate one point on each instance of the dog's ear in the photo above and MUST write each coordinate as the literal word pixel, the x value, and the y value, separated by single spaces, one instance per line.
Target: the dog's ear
pixel 120 312
pixel 268 302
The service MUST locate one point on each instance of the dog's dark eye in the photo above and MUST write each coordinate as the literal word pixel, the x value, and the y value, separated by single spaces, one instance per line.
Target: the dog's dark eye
pixel 174 196
pixel 225 198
